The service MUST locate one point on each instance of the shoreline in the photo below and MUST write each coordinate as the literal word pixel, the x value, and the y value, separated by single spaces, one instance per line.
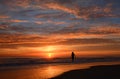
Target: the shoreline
pixel 94 72
pixel 17 66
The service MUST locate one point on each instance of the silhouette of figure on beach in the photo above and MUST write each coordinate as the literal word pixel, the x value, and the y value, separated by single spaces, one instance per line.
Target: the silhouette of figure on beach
pixel 73 56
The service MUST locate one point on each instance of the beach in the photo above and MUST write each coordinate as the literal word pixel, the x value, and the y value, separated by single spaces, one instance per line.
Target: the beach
pixel 52 71
pixel 59 39
pixel 94 72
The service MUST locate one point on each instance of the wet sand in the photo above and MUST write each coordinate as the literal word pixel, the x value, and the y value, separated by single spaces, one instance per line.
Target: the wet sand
pixel 94 72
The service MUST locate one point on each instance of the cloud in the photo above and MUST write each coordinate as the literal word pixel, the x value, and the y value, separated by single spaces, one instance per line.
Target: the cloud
pixel 4 26
pixel 83 12
pixel 56 15
pixel 67 6
pixel 20 3
pixel 4 16
pixel 26 26
pixel 102 48
pixel 16 38
pixel 61 7
pixel 34 40
pixel 88 41
pixel 60 29
pixel 20 40
pixel 10 40
pixel 50 22
pixel 17 21
pixel 10 21
pixel 106 29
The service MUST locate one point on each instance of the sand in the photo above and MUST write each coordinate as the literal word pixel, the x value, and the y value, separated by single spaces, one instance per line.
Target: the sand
pixel 94 72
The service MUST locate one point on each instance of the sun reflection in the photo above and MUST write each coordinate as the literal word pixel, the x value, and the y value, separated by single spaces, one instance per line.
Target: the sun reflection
pixel 52 71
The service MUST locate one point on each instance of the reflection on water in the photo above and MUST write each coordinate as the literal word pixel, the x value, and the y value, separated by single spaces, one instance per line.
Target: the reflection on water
pixel 44 71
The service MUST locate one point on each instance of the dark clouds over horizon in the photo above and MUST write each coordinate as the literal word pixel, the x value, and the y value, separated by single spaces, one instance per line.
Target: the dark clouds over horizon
pixel 40 23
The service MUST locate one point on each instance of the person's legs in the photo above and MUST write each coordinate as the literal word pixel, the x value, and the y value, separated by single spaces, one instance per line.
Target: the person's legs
pixel 72 59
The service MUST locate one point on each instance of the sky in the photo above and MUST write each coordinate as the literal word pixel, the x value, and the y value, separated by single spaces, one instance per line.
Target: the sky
pixel 55 28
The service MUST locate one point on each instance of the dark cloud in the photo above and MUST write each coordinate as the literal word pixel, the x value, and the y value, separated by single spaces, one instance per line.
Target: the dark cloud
pixel 101 30
pixel 53 15
pixel 89 41
pixel 25 40
pixel 4 26
pixel 18 38
pixel 22 40
pixel 68 6
pixel 102 48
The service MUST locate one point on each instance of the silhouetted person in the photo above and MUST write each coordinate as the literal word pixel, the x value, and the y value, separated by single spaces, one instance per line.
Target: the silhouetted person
pixel 73 56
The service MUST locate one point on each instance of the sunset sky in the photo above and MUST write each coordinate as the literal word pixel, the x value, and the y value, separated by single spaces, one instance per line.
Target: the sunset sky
pixel 55 28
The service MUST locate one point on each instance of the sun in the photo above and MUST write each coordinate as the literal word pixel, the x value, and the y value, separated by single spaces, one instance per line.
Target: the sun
pixel 49 51
pixel 50 55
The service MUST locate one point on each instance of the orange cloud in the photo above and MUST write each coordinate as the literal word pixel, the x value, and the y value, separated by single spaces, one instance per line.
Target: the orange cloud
pixel 25 40
pixel 4 16
pixel 106 29
pixel 20 3
pixel 50 22
pixel 34 40
pixel 83 12
pixel 62 7
pixel 14 21
pixel 17 21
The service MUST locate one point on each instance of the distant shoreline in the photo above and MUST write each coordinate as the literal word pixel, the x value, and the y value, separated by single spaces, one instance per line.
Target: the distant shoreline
pixel 94 72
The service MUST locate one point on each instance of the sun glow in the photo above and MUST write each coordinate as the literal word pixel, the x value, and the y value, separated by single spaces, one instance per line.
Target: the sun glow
pixel 50 48
pixel 48 51
pixel 50 55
